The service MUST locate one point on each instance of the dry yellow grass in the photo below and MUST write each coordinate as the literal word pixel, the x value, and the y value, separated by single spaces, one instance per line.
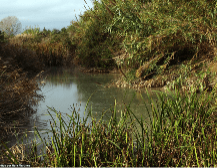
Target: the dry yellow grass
pixel 23 35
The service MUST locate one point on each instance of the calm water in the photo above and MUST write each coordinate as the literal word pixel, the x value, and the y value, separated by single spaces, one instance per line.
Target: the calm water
pixel 65 87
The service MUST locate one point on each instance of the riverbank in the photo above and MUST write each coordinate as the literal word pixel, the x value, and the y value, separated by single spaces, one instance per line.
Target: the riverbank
pixel 168 80
pixel 181 134
pixel 152 44
pixel 148 156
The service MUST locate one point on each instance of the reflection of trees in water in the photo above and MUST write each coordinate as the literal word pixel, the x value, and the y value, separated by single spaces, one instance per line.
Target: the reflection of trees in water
pixel 93 83
pixel 61 76
pixel 102 98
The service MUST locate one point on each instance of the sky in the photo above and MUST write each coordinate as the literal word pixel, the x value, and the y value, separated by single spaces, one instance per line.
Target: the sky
pixel 44 13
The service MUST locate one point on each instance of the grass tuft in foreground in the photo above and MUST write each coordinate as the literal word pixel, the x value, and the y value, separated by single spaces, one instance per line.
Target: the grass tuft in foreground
pixel 182 133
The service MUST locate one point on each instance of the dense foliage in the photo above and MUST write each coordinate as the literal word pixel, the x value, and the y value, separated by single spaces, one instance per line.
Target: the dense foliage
pixel 153 43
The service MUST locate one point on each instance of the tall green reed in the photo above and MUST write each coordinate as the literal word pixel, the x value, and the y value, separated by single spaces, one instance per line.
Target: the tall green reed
pixel 182 133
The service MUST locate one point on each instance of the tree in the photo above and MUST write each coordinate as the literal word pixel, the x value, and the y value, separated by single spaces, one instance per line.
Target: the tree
pixel 63 30
pixel 55 31
pixel 10 25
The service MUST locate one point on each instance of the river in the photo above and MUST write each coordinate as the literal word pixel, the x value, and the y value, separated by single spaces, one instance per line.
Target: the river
pixel 65 87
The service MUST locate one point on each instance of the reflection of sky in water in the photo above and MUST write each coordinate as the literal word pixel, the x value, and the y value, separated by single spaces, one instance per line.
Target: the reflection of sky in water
pixel 61 91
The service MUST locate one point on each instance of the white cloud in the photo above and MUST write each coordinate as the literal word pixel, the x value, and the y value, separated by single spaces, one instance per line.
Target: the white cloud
pixel 44 13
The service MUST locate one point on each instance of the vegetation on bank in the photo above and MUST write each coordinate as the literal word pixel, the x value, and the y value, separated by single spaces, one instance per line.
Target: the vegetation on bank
pixel 153 43
pixel 182 133
pixel 19 70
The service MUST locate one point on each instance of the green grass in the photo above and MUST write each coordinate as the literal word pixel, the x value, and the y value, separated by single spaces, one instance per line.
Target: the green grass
pixel 159 33
pixel 183 133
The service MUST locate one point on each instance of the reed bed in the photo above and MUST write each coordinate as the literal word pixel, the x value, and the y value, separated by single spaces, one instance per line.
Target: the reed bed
pixel 183 130
pixel 50 54
pixel 182 133
pixel 19 69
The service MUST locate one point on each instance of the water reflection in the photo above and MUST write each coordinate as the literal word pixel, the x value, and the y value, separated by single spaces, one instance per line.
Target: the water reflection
pixel 65 87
